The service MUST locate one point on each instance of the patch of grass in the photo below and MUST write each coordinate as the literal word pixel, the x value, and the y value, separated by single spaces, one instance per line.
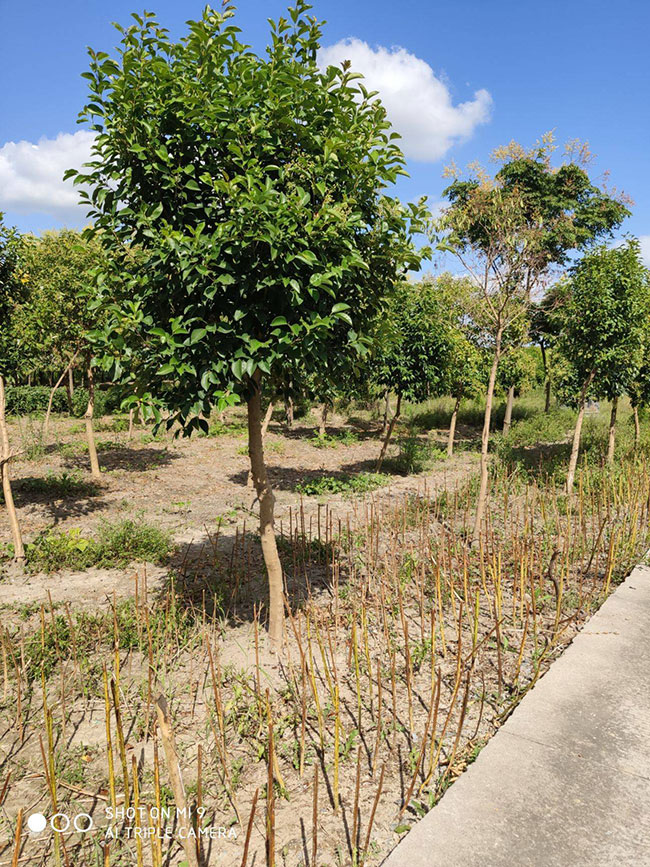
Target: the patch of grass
pixel 358 483
pixel 331 441
pixel 73 450
pixel 415 456
pixel 230 429
pixel 58 486
pixel 83 633
pixel 116 545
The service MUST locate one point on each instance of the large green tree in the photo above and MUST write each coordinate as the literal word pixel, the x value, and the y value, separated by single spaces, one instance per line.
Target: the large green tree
pixel 508 230
pixel 603 328
pixel 12 290
pixel 242 200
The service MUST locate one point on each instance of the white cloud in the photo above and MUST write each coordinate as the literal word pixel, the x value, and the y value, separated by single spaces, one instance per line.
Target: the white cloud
pixel 418 103
pixel 31 175
pixel 644 240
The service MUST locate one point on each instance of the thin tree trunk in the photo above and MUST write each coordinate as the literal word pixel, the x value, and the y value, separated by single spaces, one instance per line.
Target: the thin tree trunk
pixel 288 412
pixel 90 432
pixel 485 441
pixel 322 422
pixel 637 427
pixel 267 419
pixel 19 550
pixel 611 441
pixel 266 500
pixel 71 380
pixel 547 379
pixel 46 423
pixel 507 419
pixel 69 391
pixel 389 432
pixel 384 425
pixel 176 780
pixel 452 428
pixel 575 447
pixel 130 434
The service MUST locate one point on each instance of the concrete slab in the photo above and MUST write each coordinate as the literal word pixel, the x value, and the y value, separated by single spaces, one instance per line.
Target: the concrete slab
pixel 566 781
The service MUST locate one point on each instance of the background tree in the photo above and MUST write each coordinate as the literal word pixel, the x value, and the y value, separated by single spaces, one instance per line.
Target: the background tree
pixel 516 373
pixel 241 200
pixel 412 361
pixel 11 293
pixel 465 373
pixel 508 230
pixel 544 330
pixel 639 387
pixel 464 377
pixel 603 325
pixel 58 312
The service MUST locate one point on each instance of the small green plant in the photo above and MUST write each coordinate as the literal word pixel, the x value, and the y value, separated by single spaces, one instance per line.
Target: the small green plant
pixel 415 456
pixel 354 484
pixel 117 544
pixel 58 486
pixel 329 441
pixel 221 429
pixel 51 551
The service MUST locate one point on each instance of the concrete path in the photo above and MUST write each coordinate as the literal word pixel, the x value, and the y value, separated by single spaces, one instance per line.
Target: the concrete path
pixel 566 781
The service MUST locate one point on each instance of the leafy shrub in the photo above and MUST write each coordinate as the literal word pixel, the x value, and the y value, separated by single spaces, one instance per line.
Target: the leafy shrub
pixel 116 545
pixel 28 399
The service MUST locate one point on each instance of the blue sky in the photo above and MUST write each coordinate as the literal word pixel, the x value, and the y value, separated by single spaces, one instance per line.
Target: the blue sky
pixel 467 76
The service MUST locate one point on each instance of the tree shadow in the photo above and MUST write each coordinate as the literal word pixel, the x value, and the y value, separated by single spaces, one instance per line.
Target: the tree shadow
pixel 135 460
pixel 223 575
pixel 362 428
pixel 285 478
pixel 64 496
pixel 540 461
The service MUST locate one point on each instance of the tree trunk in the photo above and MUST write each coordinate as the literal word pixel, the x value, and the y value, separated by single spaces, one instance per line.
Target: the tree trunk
pixel 90 432
pixel 485 441
pixel 69 390
pixel 389 432
pixel 46 423
pixel 267 419
pixel 452 428
pixel 288 412
pixel 547 379
pixel 507 419
pixel 575 447
pixel 267 502
pixel 130 434
pixel 637 427
pixel 71 380
pixel 611 441
pixel 19 550
pixel 322 422
pixel 384 425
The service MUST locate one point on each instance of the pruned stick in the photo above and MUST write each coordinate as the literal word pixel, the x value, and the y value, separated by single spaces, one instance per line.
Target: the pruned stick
pixel 175 778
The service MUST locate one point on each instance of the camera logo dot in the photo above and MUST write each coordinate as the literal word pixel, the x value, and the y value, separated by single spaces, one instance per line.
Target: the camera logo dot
pixel 36 823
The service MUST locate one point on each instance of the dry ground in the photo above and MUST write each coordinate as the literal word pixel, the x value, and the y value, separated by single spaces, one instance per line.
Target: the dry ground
pixel 405 647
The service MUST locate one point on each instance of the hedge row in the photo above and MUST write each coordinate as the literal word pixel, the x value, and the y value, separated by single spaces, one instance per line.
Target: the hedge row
pixel 27 399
